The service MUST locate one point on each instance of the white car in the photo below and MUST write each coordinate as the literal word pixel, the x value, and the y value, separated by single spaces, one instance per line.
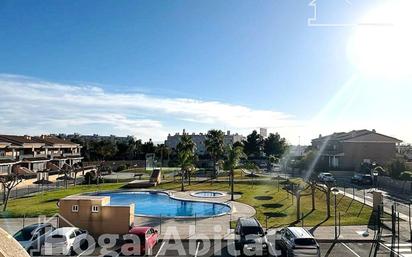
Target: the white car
pixel 326 177
pixel 32 237
pixel 64 241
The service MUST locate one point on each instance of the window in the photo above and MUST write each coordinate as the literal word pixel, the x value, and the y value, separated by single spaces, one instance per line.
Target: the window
pixel 95 208
pixel 75 208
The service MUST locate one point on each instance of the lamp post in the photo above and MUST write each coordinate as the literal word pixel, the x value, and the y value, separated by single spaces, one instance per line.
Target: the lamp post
pixel 335 192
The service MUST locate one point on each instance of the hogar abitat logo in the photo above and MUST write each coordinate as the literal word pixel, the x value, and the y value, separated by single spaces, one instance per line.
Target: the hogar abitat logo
pixel 340 13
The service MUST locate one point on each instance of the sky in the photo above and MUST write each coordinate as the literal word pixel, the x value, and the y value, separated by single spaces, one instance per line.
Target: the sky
pixel 150 67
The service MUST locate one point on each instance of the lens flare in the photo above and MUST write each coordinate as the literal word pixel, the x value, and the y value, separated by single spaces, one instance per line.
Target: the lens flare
pixel 381 44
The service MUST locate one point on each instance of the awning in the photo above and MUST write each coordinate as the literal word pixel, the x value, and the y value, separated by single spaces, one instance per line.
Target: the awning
pixel 42 182
pixel 22 171
pixel 65 177
pixel 7 161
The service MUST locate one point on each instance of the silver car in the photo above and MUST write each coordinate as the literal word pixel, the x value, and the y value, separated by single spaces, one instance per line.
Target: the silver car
pixel 32 237
pixel 297 242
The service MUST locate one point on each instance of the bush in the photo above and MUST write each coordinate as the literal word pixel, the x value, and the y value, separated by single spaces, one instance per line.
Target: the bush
pixel 396 168
pixel 120 168
pixel 406 175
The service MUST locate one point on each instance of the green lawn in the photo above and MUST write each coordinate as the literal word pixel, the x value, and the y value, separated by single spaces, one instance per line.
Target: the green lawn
pixel 45 203
pixel 278 207
pixel 263 196
pixel 165 170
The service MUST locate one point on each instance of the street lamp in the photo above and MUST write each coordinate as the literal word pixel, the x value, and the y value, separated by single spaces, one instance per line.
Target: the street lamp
pixel 335 192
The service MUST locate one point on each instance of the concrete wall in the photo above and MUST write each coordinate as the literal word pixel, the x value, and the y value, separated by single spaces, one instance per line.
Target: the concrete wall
pixel 394 185
pixel 109 219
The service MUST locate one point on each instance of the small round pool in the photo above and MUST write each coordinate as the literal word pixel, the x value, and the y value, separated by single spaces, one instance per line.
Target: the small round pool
pixel 162 204
pixel 207 194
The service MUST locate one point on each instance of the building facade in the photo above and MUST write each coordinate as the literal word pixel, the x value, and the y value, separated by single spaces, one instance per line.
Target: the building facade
pixel 28 154
pixel 199 139
pixel 348 150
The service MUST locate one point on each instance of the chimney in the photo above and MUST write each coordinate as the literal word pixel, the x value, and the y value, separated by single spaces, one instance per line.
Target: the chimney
pixel 228 132
pixel 374 130
pixel 184 131
pixel 320 135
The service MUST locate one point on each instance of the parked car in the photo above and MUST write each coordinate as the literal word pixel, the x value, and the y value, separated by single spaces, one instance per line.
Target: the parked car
pixel 250 237
pixel 296 242
pixel 148 238
pixel 65 241
pixel 362 179
pixel 326 177
pixel 32 237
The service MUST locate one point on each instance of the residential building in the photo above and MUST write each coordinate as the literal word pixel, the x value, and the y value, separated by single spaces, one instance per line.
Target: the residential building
pixel 95 137
pixel 199 139
pixel 348 150
pixel 27 154
pixel 263 132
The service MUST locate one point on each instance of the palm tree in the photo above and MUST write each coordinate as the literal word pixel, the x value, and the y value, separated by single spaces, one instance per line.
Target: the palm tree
pixel 234 154
pixel 186 156
pixel 215 147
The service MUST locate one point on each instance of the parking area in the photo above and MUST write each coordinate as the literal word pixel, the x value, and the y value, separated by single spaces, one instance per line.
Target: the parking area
pixel 226 249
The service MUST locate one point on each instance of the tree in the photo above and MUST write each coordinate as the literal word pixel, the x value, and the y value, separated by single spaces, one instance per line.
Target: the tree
pixel 327 189
pixel 186 156
pixel 126 149
pixel 274 145
pixel 312 185
pixel 215 147
pixel 105 149
pixel 272 160
pixel 234 154
pixel 162 152
pixel 65 171
pixel 9 182
pixel 296 191
pixel 253 145
pixel 396 167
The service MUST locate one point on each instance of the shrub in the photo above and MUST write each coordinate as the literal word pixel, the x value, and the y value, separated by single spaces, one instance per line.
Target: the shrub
pixel 120 168
pixel 396 167
pixel 406 175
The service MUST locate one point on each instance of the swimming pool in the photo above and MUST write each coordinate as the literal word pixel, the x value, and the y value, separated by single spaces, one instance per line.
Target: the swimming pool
pixel 207 194
pixel 160 203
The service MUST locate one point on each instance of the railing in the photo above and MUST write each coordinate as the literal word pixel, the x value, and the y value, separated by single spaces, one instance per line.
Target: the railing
pixel 71 155
pixel 3 157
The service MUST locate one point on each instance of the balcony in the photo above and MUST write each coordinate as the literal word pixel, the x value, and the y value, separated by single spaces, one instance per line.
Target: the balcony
pixel 71 155
pixel 26 156
pixel 331 152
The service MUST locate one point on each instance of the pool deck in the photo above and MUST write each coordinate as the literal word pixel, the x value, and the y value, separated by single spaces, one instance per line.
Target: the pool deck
pixel 198 228
pixel 183 228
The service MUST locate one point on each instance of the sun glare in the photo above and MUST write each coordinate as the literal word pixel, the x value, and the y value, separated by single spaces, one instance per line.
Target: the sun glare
pixel 382 43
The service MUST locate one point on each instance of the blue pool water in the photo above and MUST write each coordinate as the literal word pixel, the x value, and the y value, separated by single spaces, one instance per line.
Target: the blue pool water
pixel 208 194
pixel 156 204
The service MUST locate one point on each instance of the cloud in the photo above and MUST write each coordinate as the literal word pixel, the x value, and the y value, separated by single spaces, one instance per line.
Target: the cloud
pixel 29 105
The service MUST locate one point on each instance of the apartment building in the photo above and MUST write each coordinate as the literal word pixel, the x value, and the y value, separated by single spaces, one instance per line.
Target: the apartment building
pixel 347 150
pixel 27 154
pixel 199 139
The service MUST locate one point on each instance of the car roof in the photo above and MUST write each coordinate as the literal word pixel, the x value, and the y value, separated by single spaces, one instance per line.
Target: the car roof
pixel 64 230
pixel 36 226
pixel 248 222
pixel 300 232
pixel 139 230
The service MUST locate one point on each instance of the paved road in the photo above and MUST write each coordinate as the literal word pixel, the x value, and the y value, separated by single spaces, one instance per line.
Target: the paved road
pixel 223 249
